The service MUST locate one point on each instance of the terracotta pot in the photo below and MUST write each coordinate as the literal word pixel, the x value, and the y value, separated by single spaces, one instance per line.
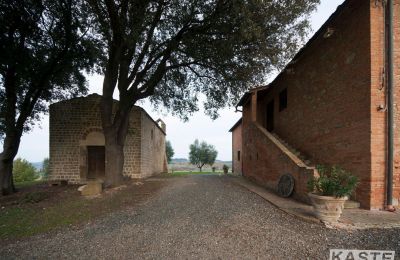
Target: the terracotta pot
pixel 327 208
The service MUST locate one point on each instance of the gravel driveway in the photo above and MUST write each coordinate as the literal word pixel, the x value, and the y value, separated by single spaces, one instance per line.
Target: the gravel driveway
pixel 200 217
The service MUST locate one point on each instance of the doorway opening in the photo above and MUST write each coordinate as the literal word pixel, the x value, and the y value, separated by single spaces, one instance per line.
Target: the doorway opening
pixel 96 162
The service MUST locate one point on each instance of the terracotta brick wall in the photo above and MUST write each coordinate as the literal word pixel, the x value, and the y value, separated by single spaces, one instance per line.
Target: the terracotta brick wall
pixel 237 147
pixel 266 160
pixel 378 98
pixel 396 178
pixel 328 116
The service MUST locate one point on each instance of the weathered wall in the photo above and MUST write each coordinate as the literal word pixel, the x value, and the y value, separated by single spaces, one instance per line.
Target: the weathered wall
pixel 266 160
pixel 378 98
pixel 75 124
pixel 396 178
pixel 133 140
pixel 153 156
pixel 237 147
pixel 328 114
pixel 70 123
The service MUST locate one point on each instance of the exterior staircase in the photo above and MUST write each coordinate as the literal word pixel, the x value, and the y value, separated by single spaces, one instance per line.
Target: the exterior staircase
pixel 349 204
pixel 302 157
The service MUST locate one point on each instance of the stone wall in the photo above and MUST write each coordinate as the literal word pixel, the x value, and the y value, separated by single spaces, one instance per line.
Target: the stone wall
pixel 75 124
pixel 153 155
pixel 71 122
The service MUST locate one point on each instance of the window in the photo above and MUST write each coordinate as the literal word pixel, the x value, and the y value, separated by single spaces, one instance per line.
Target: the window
pixel 152 134
pixel 270 116
pixel 238 155
pixel 283 100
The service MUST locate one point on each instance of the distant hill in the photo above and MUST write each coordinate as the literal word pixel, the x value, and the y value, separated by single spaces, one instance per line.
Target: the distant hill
pixel 179 160
pixel 37 165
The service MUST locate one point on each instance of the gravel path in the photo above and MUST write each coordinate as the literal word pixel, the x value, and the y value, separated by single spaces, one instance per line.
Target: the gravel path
pixel 200 217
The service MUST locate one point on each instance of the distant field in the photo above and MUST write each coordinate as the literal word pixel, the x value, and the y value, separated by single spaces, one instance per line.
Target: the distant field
pixel 184 173
pixel 184 165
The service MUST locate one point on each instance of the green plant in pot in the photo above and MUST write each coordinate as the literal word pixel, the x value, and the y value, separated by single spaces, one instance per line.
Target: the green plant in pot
pixel 330 190
pixel 225 168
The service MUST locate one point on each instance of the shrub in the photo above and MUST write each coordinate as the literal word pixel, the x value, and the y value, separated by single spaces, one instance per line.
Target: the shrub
pixel 24 171
pixel 225 168
pixel 44 172
pixel 332 181
pixel 213 168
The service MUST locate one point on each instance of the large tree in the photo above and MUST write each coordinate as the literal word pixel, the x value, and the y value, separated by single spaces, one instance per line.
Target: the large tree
pixel 172 50
pixel 44 46
pixel 201 154
pixel 169 151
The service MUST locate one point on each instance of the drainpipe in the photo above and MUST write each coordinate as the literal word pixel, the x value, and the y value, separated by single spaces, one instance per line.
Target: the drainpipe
pixel 390 90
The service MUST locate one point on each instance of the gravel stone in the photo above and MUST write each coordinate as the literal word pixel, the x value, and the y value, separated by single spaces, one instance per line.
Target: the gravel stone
pixel 200 217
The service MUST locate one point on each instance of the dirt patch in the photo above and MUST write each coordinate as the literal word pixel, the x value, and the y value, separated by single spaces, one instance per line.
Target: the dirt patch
pixel 42 208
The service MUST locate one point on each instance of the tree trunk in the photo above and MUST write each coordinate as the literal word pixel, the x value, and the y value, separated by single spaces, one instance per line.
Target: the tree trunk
pixel 114 161
pixel 114 149
pixel 10 150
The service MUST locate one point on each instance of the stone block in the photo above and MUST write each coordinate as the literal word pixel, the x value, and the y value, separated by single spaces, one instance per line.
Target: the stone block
pixel 92 188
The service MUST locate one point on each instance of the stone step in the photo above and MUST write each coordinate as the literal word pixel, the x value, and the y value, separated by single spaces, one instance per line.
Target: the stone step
pixel 351 204
pixel 292 149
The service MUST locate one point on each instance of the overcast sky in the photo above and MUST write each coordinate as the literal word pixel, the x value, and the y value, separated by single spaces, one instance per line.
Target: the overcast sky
pixel 35 145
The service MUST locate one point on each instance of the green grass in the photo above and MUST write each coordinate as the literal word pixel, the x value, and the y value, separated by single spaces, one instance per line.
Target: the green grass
pixel 22 221
pixel 185 173
pixel 46 209
pixel 27 183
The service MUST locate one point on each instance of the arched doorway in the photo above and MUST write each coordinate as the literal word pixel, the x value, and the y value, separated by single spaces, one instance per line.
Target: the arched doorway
pixel 92 159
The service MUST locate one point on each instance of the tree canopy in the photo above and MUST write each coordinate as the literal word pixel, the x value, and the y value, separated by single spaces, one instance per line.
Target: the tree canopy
pixel 201 154
pixel 45 47
pixel 169 151
pixel 24 171
pixel 171 51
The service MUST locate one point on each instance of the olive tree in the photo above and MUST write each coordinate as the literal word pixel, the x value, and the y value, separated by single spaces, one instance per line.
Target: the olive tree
pixel 201 154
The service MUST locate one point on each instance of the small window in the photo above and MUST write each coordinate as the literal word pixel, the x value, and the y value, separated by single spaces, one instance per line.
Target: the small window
pixel 283 100
pixel 238 155
pixel 152 134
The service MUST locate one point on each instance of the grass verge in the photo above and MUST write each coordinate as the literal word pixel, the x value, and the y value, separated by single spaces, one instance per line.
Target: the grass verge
pixel 41 208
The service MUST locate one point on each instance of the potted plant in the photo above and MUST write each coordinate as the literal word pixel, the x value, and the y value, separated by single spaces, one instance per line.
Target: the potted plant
pixel 329 191
pixel 225 168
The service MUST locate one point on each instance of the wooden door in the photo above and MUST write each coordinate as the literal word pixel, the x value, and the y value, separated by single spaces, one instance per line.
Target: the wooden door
pixel 270 116
pixel 96 162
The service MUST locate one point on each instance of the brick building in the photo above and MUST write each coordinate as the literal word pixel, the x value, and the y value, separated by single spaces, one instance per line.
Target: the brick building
pixel 77 151
pixel 329 106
